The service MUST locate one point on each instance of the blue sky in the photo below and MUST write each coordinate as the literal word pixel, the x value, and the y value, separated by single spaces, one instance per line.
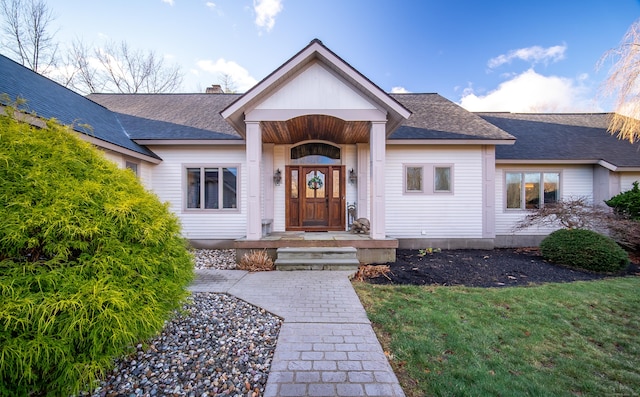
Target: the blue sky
pixel 486 55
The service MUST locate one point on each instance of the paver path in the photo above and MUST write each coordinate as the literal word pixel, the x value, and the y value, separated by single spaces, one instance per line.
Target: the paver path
pixel 326 345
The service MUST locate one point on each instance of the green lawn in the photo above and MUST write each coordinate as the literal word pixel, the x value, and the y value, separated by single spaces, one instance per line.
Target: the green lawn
pixel 576 339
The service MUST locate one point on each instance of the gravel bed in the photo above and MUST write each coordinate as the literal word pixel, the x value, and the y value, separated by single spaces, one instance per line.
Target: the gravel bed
pixel 218 346
pixel 215 259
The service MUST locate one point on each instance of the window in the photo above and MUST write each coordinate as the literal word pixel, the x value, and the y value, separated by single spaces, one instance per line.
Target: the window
pixel 131 166
pixel 442 179
pixel 428 179
pixel 413 179
pixel 212 188
pixel 531 190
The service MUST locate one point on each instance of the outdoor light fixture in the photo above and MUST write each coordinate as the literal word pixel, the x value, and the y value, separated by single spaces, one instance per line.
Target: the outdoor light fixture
pixel 277 177
pixel 352 177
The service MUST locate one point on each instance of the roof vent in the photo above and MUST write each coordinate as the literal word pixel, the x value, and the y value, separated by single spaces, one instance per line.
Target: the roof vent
pixel 214 89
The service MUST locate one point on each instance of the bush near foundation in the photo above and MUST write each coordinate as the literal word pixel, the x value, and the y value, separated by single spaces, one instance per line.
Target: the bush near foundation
pixel 627 203
pixel 584 249
pixel 90 262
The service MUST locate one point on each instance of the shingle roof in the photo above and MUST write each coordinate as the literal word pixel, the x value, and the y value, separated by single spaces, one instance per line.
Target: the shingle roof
pixel 434 117
pixel 581 136
pixel 171 116
pixel 48 99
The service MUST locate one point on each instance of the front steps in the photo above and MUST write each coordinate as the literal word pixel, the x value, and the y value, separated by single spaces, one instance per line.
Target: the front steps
pixel 317 258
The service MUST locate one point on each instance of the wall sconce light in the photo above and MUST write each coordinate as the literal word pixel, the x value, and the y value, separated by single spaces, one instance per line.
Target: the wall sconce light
pixel 352 177
pixel 277 177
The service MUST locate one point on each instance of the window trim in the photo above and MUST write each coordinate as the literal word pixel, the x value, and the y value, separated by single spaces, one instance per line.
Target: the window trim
pixel 428 178
pixel 451 175
pixel 404 178
pixel 202 167
pixel 522 172
pixel 135 171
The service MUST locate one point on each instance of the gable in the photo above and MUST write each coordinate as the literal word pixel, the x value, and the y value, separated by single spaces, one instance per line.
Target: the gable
pixel 316 88
pixel 348 94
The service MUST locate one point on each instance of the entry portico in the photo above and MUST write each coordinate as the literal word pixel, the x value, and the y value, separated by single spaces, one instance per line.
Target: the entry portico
pixel 291 120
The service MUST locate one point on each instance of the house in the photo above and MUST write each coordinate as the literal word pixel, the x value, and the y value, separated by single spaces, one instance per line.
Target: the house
pixel 316 143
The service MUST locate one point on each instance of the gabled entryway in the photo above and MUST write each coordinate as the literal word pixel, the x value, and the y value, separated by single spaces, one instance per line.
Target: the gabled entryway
pixel 314 102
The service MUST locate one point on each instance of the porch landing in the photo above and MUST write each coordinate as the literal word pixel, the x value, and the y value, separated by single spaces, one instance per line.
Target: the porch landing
pixel 369 250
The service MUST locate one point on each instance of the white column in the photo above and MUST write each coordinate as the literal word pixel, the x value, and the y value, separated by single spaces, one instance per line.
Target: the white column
pixel 254 157
pixel 268 170
pixel 377 144
pixel 488 191
pixel 363 179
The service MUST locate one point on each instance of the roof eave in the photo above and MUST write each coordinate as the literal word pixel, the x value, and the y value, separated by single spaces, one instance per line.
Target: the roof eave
pixel 186 142
pixel 450 141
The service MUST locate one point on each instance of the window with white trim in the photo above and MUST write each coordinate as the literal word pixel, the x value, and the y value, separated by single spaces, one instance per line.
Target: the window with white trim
pixel 211 188
pixel 531 189
pixel 428 178
pixel 131 165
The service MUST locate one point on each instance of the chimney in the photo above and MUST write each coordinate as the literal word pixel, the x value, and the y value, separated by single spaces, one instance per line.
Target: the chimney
pixel 214 89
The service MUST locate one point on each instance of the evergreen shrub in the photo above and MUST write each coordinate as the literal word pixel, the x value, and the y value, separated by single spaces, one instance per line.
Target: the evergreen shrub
pixel 584 249
pixel 627 203
pixel 90 262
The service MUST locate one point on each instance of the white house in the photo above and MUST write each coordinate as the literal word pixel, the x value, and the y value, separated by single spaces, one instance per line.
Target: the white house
pixel 316 137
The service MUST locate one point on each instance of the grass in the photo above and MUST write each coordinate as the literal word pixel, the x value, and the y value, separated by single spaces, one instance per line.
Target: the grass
pixel 575 339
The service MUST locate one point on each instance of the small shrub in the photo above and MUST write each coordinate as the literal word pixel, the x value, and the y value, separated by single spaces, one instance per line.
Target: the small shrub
pixel 627 203
pixel 584 249
pixel 90 262
pixel 256 261
pixel 371 271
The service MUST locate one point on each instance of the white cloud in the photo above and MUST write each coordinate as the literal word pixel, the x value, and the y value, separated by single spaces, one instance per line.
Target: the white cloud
pixel 210 4
pixel 533 92
pixel 240 76
pixel 399 90
pixel 170 2
pixel 266 11
pixel 535 54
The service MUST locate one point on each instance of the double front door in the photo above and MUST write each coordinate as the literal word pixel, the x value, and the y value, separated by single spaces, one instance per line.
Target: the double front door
pixel 315 198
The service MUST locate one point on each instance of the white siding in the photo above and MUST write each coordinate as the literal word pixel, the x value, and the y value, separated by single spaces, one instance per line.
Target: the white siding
pixel 169 184
pixel 144 167
pixel 575 181
pixel 115 157
pixel 627 179
pixel 316 88
pixel 457 215
pixel 145 173
pixel 349 155
pixel 279 161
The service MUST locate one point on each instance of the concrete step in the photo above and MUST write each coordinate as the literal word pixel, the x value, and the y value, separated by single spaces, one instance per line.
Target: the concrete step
pixel 317 258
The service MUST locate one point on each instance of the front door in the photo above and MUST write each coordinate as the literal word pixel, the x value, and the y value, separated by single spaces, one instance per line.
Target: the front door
pixel 315 198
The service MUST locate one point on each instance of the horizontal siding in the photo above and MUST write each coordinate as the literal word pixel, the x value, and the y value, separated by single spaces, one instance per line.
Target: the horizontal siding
pixel 168 184
pixel 627 179
pixel 575 181
pixel 144 167
pixel 279 191
pixel 115 157
pixel 350 155
pixel 457 215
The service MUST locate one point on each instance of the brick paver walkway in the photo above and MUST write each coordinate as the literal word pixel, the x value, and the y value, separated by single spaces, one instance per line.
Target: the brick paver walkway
pixel 326 345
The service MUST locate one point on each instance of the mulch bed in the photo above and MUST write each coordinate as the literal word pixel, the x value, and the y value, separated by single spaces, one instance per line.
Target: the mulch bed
pixel 483 268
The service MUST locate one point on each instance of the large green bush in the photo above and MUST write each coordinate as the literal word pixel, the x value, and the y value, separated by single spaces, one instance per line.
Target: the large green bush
pixel 584 249
pixel 90 262
pixel 627 203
